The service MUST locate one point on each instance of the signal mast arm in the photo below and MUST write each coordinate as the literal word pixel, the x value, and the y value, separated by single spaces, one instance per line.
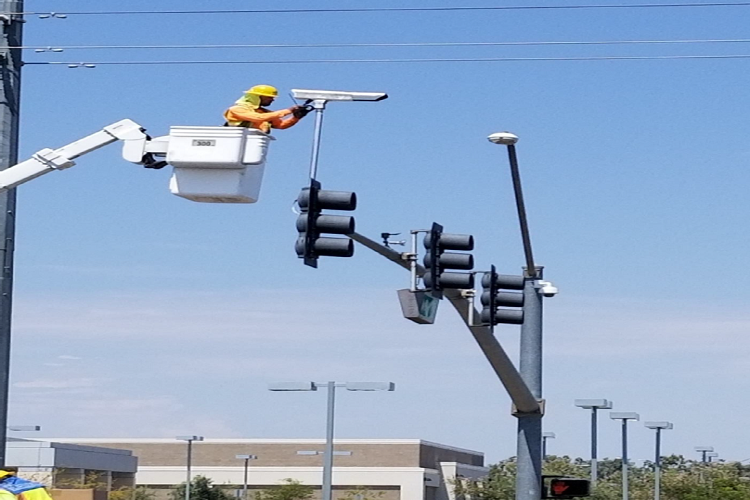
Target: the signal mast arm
pixel 136 150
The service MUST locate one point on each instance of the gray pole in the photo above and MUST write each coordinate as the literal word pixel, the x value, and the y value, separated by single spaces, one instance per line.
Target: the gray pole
pixel 10 86
pixel 319 107
pixel 328 456
pixel 529 451
pixel 624 459
pixel 521 207
pixel 244 484
pixel 594 454
pixel 657 466
pixel 189 460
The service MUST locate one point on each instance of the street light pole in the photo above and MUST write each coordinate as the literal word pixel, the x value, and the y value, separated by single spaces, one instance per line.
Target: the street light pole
pixel 529 444
pixel 704 451
pixel 658 427
pixel 594 405
pixel 189 440
pixel 247 459
pixel 327 483
pixel 545 437
pixel 624 416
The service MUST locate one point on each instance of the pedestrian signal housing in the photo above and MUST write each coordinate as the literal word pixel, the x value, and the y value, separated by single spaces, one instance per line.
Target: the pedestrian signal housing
pixel 312 223
pixel 437 261
pixel 501 306
pixel 569 488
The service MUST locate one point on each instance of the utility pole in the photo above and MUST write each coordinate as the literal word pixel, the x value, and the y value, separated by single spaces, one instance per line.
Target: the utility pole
pixel 10 89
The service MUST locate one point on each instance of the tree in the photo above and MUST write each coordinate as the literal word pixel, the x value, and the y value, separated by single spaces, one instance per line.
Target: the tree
pixel 289 489
pixel 200 489
pixel 137 493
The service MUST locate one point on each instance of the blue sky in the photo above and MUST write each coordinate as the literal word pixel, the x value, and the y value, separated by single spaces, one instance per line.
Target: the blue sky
pixel 155 316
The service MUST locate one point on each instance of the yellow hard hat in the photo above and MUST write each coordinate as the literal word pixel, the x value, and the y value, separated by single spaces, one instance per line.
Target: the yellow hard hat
pixel 264 90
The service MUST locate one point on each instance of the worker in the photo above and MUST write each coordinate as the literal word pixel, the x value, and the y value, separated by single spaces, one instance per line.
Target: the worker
pixel 13 487
pixel 250 111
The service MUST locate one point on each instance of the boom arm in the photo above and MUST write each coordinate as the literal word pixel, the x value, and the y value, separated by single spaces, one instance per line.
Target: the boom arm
pixel 48 160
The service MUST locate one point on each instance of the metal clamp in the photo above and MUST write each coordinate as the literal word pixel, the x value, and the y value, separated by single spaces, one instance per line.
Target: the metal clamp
pixel 53 159
pixel 518 414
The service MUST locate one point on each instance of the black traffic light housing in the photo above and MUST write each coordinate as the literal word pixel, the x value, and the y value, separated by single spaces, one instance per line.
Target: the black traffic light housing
pixel 496 301
pixel 437 260
pixel 566 487
pixel 311 223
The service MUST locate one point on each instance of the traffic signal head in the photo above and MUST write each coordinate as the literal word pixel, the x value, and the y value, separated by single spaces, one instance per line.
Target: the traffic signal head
pixel 437 261
pixel 569 488
pixel 498 303
pixel 311 223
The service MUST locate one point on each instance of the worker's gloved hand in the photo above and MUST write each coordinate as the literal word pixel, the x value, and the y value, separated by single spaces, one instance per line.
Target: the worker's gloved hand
pixel 301 111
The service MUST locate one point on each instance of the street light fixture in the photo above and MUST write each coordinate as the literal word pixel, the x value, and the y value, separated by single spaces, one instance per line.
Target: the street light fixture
pixel 545 437
pixel 711 456
pixel 594 405
pixel 327 485
pixel 658 427
pixel 624 416
pixel 24 428
pixel 189 440
pixel 247 459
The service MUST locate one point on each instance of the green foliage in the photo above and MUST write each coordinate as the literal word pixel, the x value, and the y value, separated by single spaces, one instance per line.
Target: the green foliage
pixel 200 489
pixel 361 493
pixel 681 480
pixel 289 489
pixel 137 493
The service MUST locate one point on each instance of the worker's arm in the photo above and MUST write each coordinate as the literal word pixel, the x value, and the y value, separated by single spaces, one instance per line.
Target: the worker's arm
pixel 243 113
pixel 282 123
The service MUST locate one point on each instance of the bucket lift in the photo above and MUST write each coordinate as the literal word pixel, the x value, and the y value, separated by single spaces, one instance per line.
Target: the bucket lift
pixel 211 164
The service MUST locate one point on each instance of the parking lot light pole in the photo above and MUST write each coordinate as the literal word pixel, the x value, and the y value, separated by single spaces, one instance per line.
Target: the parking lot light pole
pixel 658 427
pixel 327 485
pixel 624 416
pixel 704 451
pixel 189 440
pixel 594 405
pixel 247 459
pixel 545 437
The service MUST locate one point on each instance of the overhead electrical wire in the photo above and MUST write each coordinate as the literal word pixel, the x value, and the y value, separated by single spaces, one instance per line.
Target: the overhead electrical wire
pixel 397 9
pixel 388 61
pixel 384 45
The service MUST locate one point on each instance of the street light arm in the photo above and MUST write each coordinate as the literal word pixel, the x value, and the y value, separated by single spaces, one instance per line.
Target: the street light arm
pixel 521 207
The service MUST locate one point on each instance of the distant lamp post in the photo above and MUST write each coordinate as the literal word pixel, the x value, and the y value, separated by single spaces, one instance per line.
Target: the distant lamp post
pixel 624 416
pixel 545 437
pixel 704 451
pixel 331 386
pixel 711 455
pixel 189 440
pixel 24 428
pixel 658 427
pixel 594 405
pixel 247 459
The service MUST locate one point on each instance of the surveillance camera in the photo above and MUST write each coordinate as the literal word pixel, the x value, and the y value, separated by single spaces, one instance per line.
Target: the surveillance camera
pixel 338 95
pixel 547 289
pixel 504 138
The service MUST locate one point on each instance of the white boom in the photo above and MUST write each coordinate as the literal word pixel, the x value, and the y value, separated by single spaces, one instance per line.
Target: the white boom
pixel 211 164
pixel 49 160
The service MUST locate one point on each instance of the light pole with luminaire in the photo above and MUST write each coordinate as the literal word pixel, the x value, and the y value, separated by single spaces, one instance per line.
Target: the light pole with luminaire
pixel 704 451
pixel 658 427
pixel 327 485
pixel 189 440
pixel 711 455
pixel 247 459
pixel 594 405
pixel 545 437
pixel 624 416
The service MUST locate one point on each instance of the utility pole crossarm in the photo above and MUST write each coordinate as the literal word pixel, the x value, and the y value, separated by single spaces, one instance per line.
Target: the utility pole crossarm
pixel 493 351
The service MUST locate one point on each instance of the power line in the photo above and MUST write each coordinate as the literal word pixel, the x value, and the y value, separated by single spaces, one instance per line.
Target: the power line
pixel 384 45
pixel 388 61
pixel 398 9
